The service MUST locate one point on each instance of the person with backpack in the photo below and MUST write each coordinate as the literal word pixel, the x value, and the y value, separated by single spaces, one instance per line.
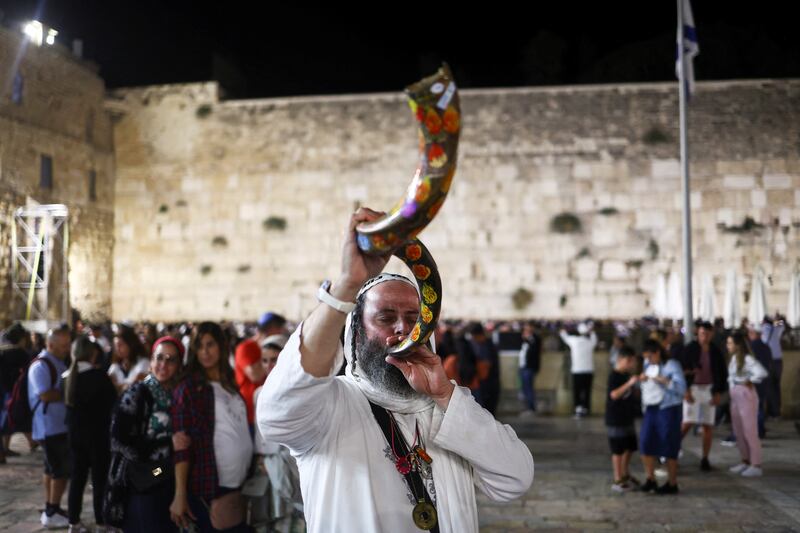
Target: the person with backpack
pixel 13 360
pixel 46 401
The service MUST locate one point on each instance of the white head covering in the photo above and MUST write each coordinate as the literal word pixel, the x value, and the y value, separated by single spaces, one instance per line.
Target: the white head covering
pixel 413 404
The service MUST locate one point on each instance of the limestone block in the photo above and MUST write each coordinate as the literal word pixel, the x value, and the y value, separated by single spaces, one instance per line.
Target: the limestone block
pixel 553 172
pixel 586 269
pixel 665 168
pixel 582 171
pixel 780 198
pixel 640 185
pixel 356 193
pixel 785 217
pixel 626 305
pixel 191 184
pixel 797 197
pixel 584 287
pixel 506 172
pixel 510 238
pixel 738 181
pixel 758 198
pixel 650 219
pixel 604 171
pixel 613 270
pixel 777 181
pixel 605 235
pixel 585 204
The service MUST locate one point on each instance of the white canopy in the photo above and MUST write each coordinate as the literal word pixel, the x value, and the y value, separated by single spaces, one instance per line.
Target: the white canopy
pixel 732 310
pixel 758 298
pixel 793 312
pixel 708 300
pixel 659 301
pixel 674 297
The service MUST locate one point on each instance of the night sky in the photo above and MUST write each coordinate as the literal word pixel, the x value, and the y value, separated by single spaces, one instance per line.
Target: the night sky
pixel 269 48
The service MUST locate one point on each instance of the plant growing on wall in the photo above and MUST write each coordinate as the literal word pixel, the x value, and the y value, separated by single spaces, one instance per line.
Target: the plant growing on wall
pixel 562 302
pixel 655 135
pixel 203 110
pixel 521 298
pixel 608 211
pixel 565 223
pixel 219 241
pixel 243 269
pixel 634 263
pixel 276 223
pixel 652 249
pixel 163 208
pixel 584 252
pixel 206 270
pixel 748 226
pixel 181 203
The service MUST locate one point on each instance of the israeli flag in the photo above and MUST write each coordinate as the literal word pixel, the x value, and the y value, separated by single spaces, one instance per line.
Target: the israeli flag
pixel 690 46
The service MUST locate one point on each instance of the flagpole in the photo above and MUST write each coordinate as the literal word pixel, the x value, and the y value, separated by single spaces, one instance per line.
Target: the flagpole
pixel 688 321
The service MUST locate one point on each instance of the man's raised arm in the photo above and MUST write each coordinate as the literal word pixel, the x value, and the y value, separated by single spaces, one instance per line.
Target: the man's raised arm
pixel 320 339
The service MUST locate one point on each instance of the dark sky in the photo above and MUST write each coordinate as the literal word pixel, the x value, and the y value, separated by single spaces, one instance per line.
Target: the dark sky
pixel 271 48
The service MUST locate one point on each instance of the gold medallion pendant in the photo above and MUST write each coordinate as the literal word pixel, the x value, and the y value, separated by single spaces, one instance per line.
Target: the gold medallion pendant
pixel 424 515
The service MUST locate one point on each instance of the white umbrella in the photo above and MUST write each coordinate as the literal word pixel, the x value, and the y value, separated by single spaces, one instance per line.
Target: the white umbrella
pixel 793 312
pixel 758 298
pixel 674 297
pixel 732 310
pixel 708 300
pixel 659 301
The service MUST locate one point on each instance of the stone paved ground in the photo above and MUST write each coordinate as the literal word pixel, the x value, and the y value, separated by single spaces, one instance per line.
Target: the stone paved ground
pixel 571 487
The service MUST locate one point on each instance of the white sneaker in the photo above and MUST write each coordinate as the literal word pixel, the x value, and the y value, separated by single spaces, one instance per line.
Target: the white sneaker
pixel 738 469
pixel 54 522
pixel 752 471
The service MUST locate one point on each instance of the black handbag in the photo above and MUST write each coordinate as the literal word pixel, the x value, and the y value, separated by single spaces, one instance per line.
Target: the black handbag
pixel 149 475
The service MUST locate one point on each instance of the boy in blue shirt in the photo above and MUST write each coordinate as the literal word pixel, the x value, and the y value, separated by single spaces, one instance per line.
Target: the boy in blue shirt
pixel 663 387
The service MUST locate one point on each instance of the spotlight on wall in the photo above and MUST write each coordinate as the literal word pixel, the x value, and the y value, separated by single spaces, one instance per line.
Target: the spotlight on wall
pixel 39 33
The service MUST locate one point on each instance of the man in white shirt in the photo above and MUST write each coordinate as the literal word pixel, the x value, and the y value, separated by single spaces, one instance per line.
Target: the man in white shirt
pixel 581 348
pixel 351 474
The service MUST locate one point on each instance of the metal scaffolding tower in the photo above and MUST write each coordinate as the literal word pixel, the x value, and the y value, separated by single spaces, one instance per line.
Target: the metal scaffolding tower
pixel 40 244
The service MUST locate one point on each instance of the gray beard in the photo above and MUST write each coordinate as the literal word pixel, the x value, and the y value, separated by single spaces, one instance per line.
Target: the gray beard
pixel 371 357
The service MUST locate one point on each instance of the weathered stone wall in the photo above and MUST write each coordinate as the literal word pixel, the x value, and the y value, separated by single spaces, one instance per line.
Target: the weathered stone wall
pixel 62 115
pixel 200 183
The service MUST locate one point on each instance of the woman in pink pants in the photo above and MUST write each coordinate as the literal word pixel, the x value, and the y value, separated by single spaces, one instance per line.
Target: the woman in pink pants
pixel 744 371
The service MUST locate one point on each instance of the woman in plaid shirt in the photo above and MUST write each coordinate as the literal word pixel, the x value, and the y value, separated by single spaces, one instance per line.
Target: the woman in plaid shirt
pixel 207 407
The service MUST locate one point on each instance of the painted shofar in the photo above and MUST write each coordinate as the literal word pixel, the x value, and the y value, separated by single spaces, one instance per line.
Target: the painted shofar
pixel 435 104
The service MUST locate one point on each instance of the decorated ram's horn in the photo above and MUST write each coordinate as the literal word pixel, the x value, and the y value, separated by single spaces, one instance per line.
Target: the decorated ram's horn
pixel 435 104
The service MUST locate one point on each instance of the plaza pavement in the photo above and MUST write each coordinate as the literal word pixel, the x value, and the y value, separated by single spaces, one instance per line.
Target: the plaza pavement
pixel 571 490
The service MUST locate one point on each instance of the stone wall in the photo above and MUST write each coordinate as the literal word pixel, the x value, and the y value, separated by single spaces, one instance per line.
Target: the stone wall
pixel 61 114
pixel 204 187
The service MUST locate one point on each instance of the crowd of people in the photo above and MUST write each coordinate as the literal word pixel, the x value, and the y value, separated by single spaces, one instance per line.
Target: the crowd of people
pixel 681 386
pixel 162 419
pixel 120 401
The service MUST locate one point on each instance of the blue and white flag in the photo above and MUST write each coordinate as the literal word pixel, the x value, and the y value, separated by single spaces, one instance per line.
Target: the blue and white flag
pixel 690 46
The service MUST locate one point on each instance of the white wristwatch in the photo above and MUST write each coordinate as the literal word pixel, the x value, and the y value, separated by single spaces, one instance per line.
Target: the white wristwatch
pixel 324 296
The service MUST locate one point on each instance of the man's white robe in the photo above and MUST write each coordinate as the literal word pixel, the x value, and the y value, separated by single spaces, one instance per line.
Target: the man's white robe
pixel 347 476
